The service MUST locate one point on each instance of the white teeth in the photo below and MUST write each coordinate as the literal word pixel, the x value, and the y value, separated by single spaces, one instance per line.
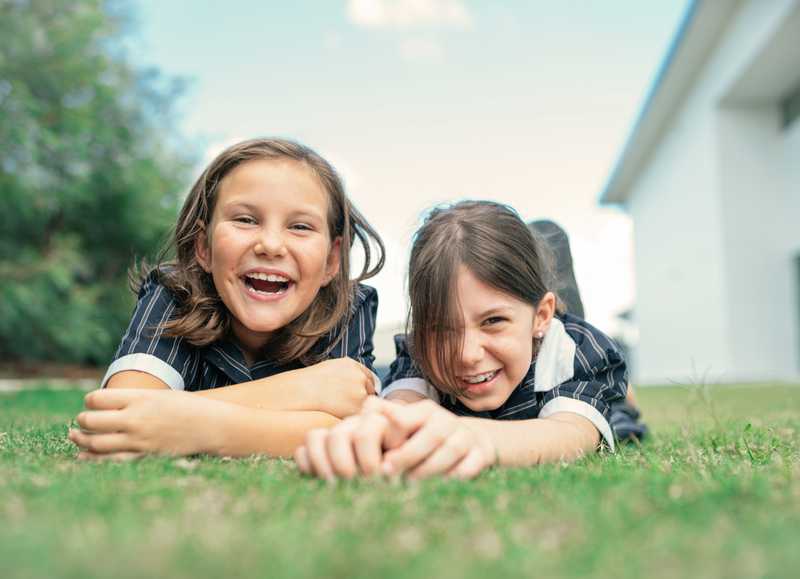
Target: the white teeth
pixel 263 293
pixel 477 379
pixel 268 277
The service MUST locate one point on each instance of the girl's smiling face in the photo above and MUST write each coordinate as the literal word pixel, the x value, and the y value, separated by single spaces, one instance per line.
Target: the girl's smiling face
pixel 497 344
pixel 268 246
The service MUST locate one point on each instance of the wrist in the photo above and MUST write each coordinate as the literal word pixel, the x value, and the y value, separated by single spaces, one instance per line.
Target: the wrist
pixel 218 429
pixel 490 449
pixel 300 391
pixel 485 441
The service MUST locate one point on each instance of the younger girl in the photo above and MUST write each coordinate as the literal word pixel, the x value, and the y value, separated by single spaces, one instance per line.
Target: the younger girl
pixel 492 372
pixel 257 313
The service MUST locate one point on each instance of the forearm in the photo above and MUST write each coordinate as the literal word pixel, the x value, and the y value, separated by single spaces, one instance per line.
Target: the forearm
pixel 243 431
pixel 560 437
pixel 279 392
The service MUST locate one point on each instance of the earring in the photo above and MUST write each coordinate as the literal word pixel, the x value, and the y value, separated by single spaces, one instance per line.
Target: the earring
pixel 539 335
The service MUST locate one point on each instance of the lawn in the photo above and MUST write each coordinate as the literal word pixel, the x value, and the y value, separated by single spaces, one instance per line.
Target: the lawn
pixel 714 493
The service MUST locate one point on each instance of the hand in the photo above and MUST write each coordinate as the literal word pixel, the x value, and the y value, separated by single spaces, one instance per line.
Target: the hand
pixel 437 442
pixel 338 386
pixel 125 423
pixel 353 447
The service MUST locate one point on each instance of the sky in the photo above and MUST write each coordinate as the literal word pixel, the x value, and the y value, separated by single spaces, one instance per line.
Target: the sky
pixel 420 102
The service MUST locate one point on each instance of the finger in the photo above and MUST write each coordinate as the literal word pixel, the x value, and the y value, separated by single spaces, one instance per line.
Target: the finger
pixel 301 458
pixel 101 421
pixel 405 420
pixel 470 466
pixel 370 384
pixel 112 457
pixel 102 443
pixel 417 448
pixel 391 437
pixel 114 399
pixel 368 441
pixel 411 416
pixel 444 458
pixel 340 451
pixel 318 454
pixel 370 378
pixel 373 404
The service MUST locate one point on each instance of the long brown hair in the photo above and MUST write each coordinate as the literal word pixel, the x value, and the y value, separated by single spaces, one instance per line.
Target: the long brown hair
pixel 202 317
pixel 492 242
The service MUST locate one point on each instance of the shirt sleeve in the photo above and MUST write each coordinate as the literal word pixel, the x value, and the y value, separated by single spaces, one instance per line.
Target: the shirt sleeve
pixel 144 346
pixel 404 374
pixel 600 377
pixel 356 340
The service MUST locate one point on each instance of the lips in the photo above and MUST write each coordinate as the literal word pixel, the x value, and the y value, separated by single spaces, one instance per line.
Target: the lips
pixel 476 385
pixel 480 378
pixel 267 283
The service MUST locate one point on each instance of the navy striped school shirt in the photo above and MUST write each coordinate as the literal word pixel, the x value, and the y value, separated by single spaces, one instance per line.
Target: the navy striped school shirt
pixel 577 369
pixel 183 366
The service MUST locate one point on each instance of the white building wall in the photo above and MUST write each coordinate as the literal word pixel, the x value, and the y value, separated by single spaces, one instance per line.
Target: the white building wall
pixel 698 321
pixel 757 231
pixel 790 159
pixel 791 170
pixel 682 320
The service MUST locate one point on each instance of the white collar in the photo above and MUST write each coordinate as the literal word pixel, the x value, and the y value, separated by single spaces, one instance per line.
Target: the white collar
pixel 555 362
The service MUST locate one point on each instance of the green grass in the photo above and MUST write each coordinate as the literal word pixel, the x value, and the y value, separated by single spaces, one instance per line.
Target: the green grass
pixel 714 493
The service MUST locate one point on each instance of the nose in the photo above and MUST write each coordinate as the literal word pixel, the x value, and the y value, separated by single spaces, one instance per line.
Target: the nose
pixel 270 243
pixel 471 349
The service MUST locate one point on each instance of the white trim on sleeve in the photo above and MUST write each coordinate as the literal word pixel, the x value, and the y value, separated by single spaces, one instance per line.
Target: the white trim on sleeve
pixel 417 385
pixel 148 364
pixel 566 404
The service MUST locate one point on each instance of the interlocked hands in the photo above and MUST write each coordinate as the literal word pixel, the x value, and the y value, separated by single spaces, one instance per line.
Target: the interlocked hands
pixel 418 440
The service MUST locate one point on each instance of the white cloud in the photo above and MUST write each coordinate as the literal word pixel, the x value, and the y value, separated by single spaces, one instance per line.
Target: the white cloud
pixel 421 49
pixel 408 13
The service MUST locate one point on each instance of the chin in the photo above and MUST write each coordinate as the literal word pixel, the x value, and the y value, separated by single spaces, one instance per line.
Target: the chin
pixel 482 404
pixel 263 326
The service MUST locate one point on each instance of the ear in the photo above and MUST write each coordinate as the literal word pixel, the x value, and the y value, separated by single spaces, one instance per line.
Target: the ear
pixel 202 251
pixel 544 314
pixel 333 262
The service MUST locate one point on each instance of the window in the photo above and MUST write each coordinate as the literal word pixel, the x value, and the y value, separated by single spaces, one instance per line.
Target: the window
pixel 790 107
pixel 797 297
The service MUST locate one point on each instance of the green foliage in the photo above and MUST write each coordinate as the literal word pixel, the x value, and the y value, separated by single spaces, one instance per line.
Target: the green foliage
pixel 88 177
pixel 716 496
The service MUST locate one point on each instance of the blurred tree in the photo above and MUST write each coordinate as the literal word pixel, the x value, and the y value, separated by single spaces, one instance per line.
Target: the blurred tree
pixel 89 179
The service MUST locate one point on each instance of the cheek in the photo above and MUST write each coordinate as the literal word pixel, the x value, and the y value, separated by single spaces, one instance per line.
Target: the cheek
pixel 314 257
pixel 518 353
pixel 224 243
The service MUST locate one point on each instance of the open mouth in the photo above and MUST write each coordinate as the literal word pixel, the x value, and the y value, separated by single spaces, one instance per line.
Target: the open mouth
pixel 268 284
pixel 480 378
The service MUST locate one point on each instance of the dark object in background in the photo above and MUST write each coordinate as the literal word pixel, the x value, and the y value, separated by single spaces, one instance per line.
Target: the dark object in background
pixel 625 416
pixel 565 284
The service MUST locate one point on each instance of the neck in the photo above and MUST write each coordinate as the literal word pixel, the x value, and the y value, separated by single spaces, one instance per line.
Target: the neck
pixel 251 343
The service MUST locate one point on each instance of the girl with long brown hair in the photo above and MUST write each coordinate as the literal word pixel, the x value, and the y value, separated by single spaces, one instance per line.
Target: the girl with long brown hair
pixel 257 316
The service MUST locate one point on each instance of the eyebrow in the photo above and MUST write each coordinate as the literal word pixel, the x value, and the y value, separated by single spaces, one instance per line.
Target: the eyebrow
pixel 497 310
pixel 237 204
pixel 300 212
